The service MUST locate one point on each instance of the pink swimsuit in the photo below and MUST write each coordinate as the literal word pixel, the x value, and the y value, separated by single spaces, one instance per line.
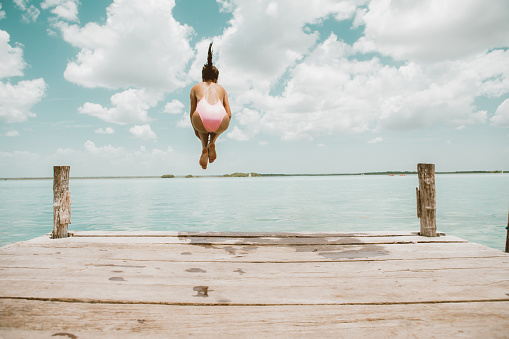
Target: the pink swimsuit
pixel 211 115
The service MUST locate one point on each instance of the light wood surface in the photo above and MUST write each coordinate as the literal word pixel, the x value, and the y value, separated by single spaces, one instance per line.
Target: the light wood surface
pixel 174 284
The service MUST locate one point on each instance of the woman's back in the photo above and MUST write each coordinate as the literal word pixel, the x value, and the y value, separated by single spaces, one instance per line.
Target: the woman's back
pixel 211 91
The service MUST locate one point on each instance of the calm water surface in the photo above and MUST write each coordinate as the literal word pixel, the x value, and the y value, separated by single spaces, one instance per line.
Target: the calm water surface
pixel 471 206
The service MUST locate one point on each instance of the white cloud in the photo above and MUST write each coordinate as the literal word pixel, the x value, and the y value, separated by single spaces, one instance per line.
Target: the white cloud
pixel 19 164
pixel 140 45
pixel 226 5
pixel 376 140
pixel 11 58
pixel 434 30
pixel 94 160
pixel 265 39
pixel 250 122
pixel 262 57
pixel 16 101
pixel 330 91
pixel 143 132
pixel 63 9
pixel 65 152
pixel 30 13
pixel 272 9
pixel 174 107
pixel 12 133
pixel 492 70
pixel 129 106
pixel 2 13
pixel 107 130
pixel 184 121
pixel 104 151
pixel 501 117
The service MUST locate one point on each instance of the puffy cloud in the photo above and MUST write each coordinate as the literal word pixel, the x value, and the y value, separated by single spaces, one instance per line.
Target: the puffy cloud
pixel 104 151
pixel 250 121
pixel 63 9
pixel 129 106
pixel 2 13
pixel 434 30
pixel 501 117
pixel 140 45
pixel 30 13
pixel 334 87
pixel 184 121
pixel 16 101
pixel 448 54
pixel 330 91
pixel 265 39
pixel 255 58
pixel 174 107
pixel 12 133
pixel 11 58
pixel 107 130
pixel 143 132
pixel 20 164
pixel 94 160
pixel 376 140
pixel 492 71
pixel 226 5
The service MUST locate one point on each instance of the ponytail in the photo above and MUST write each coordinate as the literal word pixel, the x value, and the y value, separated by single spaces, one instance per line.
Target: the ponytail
pixel 209 72
pixel 209 57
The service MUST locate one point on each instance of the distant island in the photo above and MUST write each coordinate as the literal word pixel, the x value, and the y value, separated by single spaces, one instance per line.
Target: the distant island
pixel 252 174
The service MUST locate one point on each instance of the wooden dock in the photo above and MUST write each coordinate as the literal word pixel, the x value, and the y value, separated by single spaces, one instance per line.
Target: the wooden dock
pixel 169 284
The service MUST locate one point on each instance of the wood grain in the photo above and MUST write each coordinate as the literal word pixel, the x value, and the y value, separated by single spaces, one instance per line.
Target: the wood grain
pixel 180 284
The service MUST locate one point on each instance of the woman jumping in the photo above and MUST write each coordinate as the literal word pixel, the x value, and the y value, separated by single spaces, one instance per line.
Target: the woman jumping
pixel 210 111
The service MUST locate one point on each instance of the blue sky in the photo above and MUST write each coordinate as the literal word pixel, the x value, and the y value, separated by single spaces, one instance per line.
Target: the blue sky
pixel 315 86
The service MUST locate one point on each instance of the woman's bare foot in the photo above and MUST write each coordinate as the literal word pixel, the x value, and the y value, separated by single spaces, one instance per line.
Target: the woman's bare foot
pixel 204 158
pixel 212 153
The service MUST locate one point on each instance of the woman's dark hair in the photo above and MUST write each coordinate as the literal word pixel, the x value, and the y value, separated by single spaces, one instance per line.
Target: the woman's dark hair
pixel 208 71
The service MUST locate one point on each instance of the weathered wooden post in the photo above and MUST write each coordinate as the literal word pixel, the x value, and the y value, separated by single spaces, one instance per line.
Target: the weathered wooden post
pixel 426 200
pixel 61 201
pixel 507 235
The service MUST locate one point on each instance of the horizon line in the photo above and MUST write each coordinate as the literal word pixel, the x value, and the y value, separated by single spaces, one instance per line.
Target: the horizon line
pixel 248 174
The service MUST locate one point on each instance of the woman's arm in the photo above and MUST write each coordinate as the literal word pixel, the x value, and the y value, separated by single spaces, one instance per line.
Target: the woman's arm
pixel 226 105
pixel 193 102
pixel 192 96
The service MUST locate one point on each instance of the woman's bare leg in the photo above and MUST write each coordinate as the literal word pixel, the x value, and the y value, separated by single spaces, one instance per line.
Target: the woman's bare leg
pixel 204 138
pixel 203 135
pixel 213 137
pixel 212 147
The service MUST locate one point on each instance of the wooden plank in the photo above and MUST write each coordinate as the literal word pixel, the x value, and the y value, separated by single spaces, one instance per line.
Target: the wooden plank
pixel 80 252
pixel 262 241
pixel 325 284
pixel 249 283
pixel 40 263
pixel 39 319
pixel 242 234
pixel 222 270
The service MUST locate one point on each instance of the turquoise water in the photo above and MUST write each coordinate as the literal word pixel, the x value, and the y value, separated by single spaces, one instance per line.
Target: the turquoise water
pixel 471 206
